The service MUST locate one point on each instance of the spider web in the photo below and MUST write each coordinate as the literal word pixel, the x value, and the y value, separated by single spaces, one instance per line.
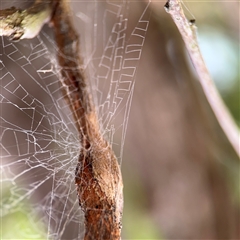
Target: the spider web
pixel 39 143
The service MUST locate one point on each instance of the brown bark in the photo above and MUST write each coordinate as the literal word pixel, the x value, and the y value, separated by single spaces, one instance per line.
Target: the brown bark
pixel 98 176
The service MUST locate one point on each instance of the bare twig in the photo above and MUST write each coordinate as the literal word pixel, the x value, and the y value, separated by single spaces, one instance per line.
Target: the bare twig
pixel 173 7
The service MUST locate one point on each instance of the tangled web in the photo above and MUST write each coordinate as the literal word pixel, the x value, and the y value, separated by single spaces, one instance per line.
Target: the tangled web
pixel 39 143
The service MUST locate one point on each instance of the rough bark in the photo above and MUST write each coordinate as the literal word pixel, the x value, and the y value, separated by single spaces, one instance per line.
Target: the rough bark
pixel 98 176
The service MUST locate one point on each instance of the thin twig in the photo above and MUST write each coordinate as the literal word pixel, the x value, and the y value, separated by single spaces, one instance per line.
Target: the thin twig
pixel 173 7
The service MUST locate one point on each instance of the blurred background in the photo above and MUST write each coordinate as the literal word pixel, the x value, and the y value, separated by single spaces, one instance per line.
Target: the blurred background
pixel 185 175
pixel 181 175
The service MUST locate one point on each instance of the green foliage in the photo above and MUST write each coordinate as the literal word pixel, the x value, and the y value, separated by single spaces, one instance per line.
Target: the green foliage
pixel 17 224
pixel 232 99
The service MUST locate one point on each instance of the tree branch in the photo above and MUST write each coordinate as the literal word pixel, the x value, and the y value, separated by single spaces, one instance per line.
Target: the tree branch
pixel 186 29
